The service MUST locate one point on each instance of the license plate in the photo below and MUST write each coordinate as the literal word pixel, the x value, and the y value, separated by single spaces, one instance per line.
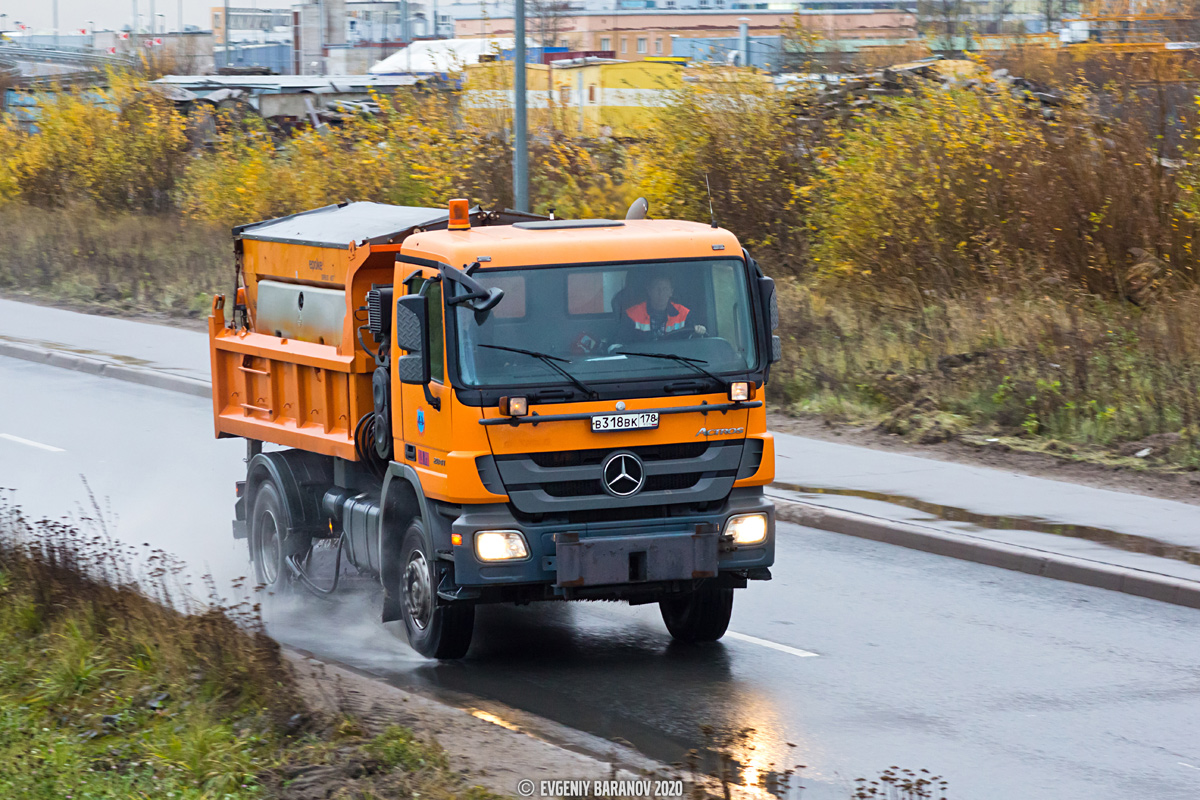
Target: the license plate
pixel 625 422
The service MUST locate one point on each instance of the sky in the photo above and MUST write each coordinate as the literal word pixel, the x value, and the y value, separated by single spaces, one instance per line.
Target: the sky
pixel 114 14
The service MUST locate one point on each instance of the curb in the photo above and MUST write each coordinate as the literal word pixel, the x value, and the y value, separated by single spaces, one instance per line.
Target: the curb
pixel 1031 561
pixel 94 366
pixel 1043 563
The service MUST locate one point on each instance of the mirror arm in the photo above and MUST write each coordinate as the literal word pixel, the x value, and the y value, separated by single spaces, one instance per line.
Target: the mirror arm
pixel 434 402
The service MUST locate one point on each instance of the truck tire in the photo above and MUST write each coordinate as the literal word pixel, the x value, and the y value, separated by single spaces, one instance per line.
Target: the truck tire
pixel 435 630
pixel 269 543
pixel 699 616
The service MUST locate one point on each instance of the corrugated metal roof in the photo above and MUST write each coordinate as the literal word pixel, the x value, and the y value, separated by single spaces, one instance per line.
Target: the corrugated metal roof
pixel 337 226
pixel 267 84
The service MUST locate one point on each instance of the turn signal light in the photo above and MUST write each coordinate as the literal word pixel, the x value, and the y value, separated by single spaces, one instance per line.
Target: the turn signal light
pixel 740 391
pixel 456 539
pixel 460 215
pixel 514 406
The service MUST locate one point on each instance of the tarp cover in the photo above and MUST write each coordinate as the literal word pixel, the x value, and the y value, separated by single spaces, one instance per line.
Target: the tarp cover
pixel 338 226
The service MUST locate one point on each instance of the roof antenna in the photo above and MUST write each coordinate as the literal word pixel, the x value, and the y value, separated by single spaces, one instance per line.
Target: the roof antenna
pixel 711 214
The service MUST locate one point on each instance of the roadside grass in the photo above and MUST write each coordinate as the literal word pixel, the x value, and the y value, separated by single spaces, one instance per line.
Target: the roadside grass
pixel 1073 376
pixel 116 261
pixel 114 683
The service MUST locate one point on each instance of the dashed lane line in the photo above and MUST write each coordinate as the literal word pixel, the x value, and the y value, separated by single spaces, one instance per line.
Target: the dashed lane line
pixel 31 443
pixel 783 648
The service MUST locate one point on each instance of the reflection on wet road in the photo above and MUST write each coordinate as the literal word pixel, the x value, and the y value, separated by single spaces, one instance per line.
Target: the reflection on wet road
pixel 1007 684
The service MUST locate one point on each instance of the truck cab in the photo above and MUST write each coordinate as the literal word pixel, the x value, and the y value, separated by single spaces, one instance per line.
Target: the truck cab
pixel 541 410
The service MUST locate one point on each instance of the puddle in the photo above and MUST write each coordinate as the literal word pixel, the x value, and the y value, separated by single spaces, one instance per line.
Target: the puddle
pixel 988 522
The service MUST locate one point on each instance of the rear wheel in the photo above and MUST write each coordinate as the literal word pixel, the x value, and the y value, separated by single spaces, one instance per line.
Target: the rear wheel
pixel 699 616
pixel 269 543
pixel 435 630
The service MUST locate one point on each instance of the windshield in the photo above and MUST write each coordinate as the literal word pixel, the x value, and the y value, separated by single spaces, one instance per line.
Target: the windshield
pixel 684 319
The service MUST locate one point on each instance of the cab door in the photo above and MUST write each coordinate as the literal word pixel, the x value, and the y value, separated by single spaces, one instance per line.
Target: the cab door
pixel 421 418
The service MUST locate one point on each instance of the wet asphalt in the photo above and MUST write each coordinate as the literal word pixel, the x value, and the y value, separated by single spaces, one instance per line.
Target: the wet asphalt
pixel 858 656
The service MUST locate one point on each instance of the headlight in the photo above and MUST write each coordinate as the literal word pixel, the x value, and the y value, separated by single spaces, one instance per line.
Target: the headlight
pixel 500 546
pixel 514 406
pixel 747 528
pixel 739 391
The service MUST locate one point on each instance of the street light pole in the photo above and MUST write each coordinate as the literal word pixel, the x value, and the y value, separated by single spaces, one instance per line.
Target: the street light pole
pixel 520 131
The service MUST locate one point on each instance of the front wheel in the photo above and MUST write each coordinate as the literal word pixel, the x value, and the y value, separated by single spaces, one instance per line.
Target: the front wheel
pixel 699 616
pixel 434 630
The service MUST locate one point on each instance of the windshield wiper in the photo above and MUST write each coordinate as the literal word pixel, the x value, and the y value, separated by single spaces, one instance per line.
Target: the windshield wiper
pixel 694 363
pixel 551 362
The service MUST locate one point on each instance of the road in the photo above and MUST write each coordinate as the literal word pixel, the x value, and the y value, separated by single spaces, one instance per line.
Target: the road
pixel 856 657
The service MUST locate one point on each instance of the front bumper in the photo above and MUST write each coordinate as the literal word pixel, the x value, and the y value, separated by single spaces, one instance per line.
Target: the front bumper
pixel 611 559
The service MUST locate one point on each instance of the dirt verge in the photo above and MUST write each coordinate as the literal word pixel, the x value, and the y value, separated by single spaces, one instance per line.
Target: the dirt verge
pixel 491 750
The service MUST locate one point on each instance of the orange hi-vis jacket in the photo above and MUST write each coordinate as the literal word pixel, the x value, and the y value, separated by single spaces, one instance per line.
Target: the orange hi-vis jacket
pixel 640 315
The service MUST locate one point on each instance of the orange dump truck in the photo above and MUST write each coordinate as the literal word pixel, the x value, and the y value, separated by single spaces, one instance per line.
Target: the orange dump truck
pixel 498 408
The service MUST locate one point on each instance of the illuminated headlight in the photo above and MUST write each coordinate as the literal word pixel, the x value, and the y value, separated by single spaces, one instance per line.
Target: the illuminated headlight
pixel 747 528
pixel 739 391
pixel 514 406
pixel 500 546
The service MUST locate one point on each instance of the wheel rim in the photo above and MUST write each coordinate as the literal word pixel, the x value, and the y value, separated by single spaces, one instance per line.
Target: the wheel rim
pixel 418 590
pixel 268 547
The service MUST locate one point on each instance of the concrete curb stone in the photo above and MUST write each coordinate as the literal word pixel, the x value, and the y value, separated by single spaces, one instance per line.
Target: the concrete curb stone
pixel 94 366
pixel 1031 561
pixel 1043 563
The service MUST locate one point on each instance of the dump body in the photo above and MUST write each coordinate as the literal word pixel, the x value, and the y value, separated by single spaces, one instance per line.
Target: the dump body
pixel 295 374
pixel 488 412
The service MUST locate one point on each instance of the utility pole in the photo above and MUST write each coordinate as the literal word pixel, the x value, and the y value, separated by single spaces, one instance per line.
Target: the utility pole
pixel 56 23
pixel 225 31
pixel 153 21
pixel 133 29
pixel 520 132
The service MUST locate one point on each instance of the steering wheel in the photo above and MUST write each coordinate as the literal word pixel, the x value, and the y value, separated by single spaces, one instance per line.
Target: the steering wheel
pixel 692 332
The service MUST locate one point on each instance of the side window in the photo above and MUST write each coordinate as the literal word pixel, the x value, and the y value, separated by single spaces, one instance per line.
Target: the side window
pixel 437 333
pixel 437 329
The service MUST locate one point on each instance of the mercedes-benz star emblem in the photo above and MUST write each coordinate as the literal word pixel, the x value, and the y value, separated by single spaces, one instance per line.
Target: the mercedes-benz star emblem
pixel 624 474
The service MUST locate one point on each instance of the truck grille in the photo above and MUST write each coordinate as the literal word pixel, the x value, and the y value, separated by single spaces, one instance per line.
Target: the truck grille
pixel 690 472
pixel 654 483
pixel 577 458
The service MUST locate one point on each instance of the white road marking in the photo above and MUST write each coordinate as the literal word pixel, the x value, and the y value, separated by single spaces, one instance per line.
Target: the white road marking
pixel 783 648
pixel 38 445
pixel 1189 766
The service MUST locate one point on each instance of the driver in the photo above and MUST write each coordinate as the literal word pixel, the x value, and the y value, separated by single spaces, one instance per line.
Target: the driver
pixel 657 316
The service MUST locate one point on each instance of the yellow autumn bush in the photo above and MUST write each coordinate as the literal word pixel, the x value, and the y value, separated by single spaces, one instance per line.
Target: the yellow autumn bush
pixel 946 192
pixel 733 131
pixel 120 147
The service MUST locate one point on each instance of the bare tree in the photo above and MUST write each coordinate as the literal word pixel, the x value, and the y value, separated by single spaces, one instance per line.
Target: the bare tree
pixel 1004 10
pixel 944 20
pixel 548 18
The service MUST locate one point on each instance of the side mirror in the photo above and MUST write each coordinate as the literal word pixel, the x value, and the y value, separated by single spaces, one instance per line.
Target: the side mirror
pixel 412 336
pixel 766 291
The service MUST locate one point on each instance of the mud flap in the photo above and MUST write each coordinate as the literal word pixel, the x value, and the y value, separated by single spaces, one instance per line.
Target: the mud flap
pixel 608 560
pixel 240 529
